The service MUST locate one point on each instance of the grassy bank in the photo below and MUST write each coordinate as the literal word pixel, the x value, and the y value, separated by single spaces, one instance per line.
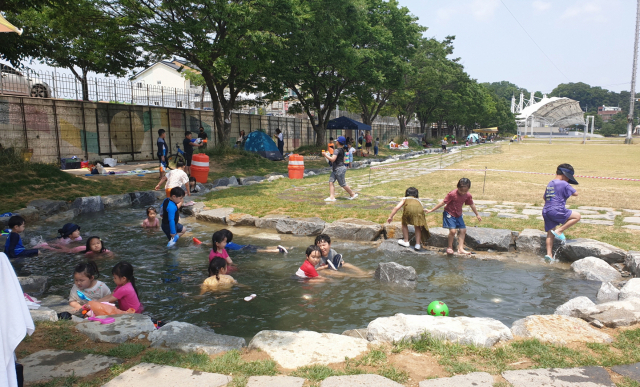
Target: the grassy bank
pixel 407 363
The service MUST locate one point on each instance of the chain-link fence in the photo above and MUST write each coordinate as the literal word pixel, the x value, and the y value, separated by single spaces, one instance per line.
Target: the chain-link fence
pixel 49 129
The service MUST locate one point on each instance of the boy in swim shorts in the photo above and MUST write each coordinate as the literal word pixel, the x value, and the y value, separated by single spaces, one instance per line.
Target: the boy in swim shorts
pixel 555 211
pixel 171 213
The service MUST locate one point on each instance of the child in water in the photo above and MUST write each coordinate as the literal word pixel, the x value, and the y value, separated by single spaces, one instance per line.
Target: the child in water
pixel 218 277
pixel 308 268
pixel 171 215
pixel 85 280
pixel 330 259
pixel 413 213
pixel 70 232
pixel 452 215
pixel 219 239
pixel 152 220
pixel 13 246
pixel 95 247
pixel 555 212
pixel 251 248
pixel 125 292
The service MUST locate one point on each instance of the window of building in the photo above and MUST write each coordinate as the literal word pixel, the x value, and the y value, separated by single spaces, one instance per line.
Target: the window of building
pixel 159 82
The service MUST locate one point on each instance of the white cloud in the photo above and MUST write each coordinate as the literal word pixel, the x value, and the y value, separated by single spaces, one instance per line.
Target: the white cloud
pixel 585 11
pixel 541 6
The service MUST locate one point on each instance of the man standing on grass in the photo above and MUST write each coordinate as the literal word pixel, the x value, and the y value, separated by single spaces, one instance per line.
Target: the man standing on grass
pixel 188 151
pixel 339 171
pixel 203 136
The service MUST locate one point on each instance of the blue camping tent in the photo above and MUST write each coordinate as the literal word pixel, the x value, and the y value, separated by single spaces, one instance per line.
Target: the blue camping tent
pixel 263 145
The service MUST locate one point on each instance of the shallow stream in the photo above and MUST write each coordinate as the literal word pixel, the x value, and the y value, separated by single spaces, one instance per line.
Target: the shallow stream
pixel 169 280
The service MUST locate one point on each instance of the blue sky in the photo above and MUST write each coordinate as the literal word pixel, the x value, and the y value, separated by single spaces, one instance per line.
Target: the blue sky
pixel 589 41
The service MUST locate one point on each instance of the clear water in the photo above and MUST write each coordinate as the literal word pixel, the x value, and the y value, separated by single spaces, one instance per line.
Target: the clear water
pixel 169 281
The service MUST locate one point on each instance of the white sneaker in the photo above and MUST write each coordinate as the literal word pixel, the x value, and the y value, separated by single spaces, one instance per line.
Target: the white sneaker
pixel 418 247
pixel 282 249
pixel 353 197
pixel 401 242
pixel 330 200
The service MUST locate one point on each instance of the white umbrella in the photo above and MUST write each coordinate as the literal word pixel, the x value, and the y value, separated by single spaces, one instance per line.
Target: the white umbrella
pixel 5 26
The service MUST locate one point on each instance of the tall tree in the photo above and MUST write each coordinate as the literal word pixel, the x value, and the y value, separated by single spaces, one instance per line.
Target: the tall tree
pixel 506 90
pixel 79 36
pixel 382 74
pixel 327 52
pixel 232 42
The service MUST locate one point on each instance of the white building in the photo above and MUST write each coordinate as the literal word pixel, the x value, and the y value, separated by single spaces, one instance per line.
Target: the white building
pixel 164 73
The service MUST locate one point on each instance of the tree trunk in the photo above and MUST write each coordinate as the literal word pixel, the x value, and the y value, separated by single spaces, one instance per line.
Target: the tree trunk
pixel 403 125
pixel 85 85
pixel 204 87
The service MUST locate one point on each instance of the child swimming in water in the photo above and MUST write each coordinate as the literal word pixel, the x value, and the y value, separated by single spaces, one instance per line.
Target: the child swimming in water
pixel 95 247
pixel 68 234
pixel 152 220
pixel 219 239
pixel 218 277
pixel 251 248
pixel 85 280
pixel 308 268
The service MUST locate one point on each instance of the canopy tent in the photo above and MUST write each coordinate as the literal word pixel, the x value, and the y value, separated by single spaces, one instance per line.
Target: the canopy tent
pixel 347 123
pixel 554 111
pixel 5 26
pixel 473 137
pixel 260 143
pixel 487 130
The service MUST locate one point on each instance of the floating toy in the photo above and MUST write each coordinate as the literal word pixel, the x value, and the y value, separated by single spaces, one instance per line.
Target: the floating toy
pixel 438 308
pixel 196 241
pixel 82 296
pixel 105 308
pixel 173 241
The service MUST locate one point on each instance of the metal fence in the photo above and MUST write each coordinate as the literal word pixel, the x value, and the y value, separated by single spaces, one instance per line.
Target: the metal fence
pixel 49 129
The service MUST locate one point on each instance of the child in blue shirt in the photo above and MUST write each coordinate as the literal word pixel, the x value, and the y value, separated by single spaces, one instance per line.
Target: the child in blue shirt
pixel 251 248
pixel 163 151
pixel 13 247
pixel 171 215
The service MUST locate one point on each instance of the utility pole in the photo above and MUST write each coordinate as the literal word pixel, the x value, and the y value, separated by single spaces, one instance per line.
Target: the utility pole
pixel 632 101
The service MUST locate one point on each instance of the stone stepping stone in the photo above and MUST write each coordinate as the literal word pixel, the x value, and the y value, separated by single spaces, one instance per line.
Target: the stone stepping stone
pixel 609 209
pixel 491 202
pixel 516 204
pixel 632 219
pixel 126 326
pixel 632 371
pixel 599 216
pixel 367 380
pixel 154 375
pixel 559 377
pixel 482 214
pixel 48 364
pixel 512 216
pixel 597 222
pixel 187 337
pixel 298 349
pixel 528 211
pixel 504 210
pixel 474 379
pixel 632 227
pixel 503 206
pixel 615 213
pixel 535 208
pixel 275 381
pixel 632 211
pixel 588 212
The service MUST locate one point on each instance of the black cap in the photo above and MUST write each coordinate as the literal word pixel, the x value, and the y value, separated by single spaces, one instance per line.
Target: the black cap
pixel 569 175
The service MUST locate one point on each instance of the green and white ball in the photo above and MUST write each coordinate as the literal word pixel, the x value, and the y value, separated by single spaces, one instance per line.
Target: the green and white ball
pixel 438 308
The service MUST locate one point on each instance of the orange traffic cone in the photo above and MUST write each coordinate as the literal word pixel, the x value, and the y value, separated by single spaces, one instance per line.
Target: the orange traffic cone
pixel 196 241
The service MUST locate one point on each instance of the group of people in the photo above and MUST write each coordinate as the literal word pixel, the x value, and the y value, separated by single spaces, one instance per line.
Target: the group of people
pixel 557 218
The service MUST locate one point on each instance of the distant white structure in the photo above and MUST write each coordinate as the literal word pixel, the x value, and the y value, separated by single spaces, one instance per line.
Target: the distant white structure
pixel 548 112
pixel 164 73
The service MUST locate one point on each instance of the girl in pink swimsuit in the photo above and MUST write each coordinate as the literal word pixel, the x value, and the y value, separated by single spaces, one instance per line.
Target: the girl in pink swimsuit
pixel 152 220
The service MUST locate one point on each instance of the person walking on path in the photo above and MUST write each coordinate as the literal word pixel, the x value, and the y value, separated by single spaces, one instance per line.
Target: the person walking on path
pixel 368 140
pixel 339 170
pixel 555 211
pixel 444 144
pixel 280 141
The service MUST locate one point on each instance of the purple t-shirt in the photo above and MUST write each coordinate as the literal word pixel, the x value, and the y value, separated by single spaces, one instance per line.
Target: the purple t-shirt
pixel 557 193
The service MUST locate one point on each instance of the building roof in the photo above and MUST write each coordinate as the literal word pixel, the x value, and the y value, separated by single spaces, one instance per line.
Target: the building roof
pixel 554 111
pixel 175 64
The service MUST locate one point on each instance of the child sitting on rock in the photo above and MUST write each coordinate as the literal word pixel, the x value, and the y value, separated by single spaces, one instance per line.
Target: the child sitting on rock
pixel 85 281
pixel 308 268
pixel 125 292
pixel 412 214
pixel 218 277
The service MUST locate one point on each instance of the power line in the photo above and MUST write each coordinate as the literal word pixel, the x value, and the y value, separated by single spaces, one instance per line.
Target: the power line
pixel 534 42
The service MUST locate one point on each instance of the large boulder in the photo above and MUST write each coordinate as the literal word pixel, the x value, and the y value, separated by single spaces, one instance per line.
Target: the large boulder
pixel 193 210
pixel 33 284
pixel 126 326
pixel 233 181
pixel 576 249
pixel 145 198
pixel 392 247
pixel 29 214
pixel 58 303
pixel 558 329
pixel 534 242
pixel 631 289
pixel 351 229
pixel 571 307
pixel 43 314
pixel 117 201
pixel 595 269
pixel 245 180
pixel 301 226
pixel 632 261
pixel 88 204
pixel 219 215
pixel 439 237
pixel 298 349
pixel 63 217
pixel 481 238
pixel 394 230
pixel 48 364
pixel 608 292
pixel 241 220
pixel 480 331
pixel 614 314
pixel 270 221
pixel 185 337
pixel 396 274
pixel 223 182
pixel 48 207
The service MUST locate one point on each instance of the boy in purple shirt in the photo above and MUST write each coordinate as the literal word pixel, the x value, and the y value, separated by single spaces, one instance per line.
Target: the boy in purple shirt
pixel 555 212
